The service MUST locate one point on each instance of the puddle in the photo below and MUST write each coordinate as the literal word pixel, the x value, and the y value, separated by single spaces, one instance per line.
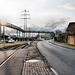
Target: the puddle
pixel 33 60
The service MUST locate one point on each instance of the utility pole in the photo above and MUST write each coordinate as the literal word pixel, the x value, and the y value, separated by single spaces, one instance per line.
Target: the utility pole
pixel 25 21
pixel 29 33
pixel 0 32
pixel 4 35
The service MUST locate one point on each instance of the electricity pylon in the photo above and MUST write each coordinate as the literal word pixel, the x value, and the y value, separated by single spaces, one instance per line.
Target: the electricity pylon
pixel 25 20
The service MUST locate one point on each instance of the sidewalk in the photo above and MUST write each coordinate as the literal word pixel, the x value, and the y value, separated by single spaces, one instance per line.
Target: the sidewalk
pixel 34 64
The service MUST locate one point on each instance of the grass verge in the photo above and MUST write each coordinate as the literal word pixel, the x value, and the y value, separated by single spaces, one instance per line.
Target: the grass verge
pixel 8 44
pixel 65 43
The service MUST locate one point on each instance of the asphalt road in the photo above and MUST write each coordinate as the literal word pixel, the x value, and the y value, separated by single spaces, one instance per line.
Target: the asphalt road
pixel 14 65
pixel 62 59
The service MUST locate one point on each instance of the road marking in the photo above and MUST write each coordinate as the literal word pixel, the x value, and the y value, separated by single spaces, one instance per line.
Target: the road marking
pixel 54 71
pixel 7 59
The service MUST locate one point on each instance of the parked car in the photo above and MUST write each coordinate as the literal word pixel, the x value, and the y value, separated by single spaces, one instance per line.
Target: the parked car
pixel 11 41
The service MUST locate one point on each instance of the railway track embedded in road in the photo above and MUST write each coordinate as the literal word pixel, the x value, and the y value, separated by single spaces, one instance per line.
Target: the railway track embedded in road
pixel 16 48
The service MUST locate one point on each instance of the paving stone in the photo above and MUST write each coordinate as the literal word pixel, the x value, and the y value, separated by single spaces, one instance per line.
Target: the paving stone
pixel 34 68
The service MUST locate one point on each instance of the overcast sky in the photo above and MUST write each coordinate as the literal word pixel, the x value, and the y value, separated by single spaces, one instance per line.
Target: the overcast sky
pixel 46 15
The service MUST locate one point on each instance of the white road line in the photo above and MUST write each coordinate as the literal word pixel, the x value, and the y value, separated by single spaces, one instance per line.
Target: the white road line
pixel 54 71
pixel 7 59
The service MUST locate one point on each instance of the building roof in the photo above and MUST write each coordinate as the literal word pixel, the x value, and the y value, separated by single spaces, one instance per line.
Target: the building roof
pixel 71 28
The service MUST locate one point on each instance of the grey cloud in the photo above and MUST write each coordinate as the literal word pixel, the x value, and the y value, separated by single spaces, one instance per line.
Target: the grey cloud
pixel 53 25
pixel 56 24
pixel 39 29
pixel 50 26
